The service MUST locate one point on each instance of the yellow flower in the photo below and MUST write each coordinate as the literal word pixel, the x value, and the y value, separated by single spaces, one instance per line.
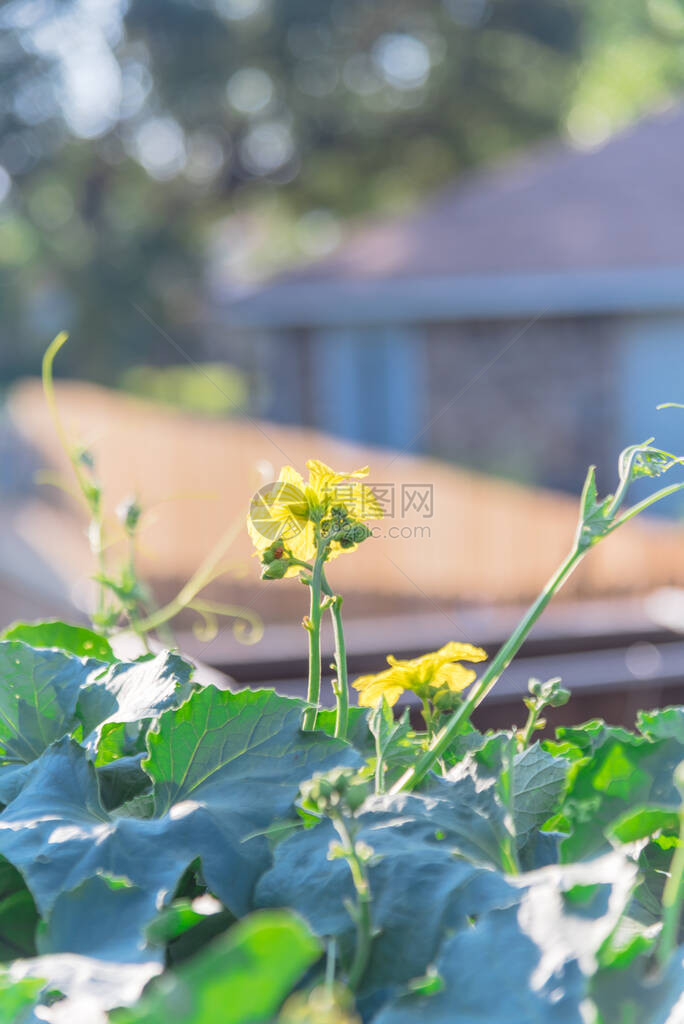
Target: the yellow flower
pixel 425 676
pixel 290 509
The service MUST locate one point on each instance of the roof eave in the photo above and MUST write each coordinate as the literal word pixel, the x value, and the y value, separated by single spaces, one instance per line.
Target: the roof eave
pixel 461 297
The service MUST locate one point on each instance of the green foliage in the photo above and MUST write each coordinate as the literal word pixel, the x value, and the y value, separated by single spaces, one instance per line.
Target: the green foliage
pixel 498 881
pixel 143 816
pixel 422 879
pixel 78 640
pixel 394 743
pixel 18 915
pixel 242 978
pixel 17 997
pixel 529 782
pixel 131 694
pixel 38 698
pixel 211 389
pixel 624 771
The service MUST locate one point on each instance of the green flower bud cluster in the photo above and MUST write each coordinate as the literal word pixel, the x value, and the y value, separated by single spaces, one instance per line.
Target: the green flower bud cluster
pixel 339 791
pixel 548 694
pixel 343 529
pixel 275 560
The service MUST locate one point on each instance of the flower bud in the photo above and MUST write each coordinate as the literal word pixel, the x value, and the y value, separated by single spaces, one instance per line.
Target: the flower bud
pixel 275 560
pixel 276 569
pixel 128 513
pixel 356 793
pixel 353 533
pixel 549 692
pixel 559 697
pixel 85 457
pixel 340 789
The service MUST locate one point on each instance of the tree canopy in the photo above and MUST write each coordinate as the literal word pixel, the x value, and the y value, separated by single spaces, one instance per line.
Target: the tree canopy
pixel 148 147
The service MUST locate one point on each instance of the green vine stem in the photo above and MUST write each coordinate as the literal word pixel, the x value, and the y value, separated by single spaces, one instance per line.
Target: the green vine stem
pixel 251 628
pixel 528 729
pixel 90 491
pixel 597 520
pixel 247 626
pixel 542 695
pixel 508 849
pixel 427 717
pixel 313 625
pixel 362 911
pixel 319 585
pixel 341 681
pixel 414 775
pixel 379 778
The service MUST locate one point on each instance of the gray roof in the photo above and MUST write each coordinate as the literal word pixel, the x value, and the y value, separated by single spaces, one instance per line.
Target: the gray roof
pixel 605 216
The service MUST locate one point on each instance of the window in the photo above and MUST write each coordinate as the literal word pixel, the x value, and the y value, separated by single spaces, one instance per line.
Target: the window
pixel 368 384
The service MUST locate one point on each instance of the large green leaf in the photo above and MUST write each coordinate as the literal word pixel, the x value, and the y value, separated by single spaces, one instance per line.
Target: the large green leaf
pixel 570 910
pixel 488 977
pixel 56 831
pixel 38 694
pixel 59 836
pixel 357 732
pixel 529 783
pixel 243 754
pixel 466 808
pixel 188 925
pixel 577 741
pixel 395 743
pixel 528 964
pixel 122 781
pixel 634 993
pixel 642 822
pixel 132 692
pixel 223 766
pixel 242 978
pixel 421 885
pixel 78 640
pixel 46 694
pixel 623 771
pixel 538 784
pixel 101 917
pixel 18 915
pixel 666 723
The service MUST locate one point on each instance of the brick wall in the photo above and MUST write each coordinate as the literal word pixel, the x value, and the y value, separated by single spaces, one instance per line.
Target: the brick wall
pixel 540 410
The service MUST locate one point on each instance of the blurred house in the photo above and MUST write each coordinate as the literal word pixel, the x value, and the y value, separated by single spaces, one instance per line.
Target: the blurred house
pixel 526 321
